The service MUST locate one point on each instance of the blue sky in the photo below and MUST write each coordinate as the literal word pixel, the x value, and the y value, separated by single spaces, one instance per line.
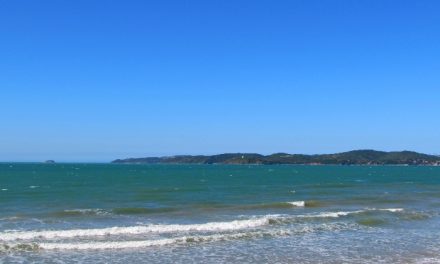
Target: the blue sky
pixel 99 80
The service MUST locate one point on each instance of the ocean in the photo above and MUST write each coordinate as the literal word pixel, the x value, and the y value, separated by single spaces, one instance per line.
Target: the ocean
pixel 119 213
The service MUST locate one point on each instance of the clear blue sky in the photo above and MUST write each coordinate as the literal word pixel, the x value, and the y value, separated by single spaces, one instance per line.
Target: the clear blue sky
pixel 89 80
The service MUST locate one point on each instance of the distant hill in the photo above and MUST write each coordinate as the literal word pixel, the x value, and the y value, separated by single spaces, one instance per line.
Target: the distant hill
pixel 355 157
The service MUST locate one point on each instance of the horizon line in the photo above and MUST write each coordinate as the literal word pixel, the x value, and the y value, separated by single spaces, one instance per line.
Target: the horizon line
pixel 176 155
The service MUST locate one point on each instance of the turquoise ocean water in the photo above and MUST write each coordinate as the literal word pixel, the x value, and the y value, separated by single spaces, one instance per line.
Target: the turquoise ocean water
pixel 100 213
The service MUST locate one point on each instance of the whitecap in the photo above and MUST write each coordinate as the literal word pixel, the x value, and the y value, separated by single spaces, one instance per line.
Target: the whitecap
pixel 135 230
pixel 95 211
pixel 298 203
pixel 333 214
pixel 126 244
pixel 393 210
pixel 235 225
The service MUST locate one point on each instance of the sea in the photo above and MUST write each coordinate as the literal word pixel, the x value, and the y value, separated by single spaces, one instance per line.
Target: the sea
pixel 161 213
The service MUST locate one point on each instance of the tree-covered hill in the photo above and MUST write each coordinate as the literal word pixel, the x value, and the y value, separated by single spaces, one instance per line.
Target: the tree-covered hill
pixel 361 157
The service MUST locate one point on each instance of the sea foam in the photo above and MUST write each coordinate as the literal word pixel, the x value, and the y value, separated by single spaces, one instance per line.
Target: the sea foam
pixel 297 203
pixel 135 230
pixel 174 228
pixel 100 245
pixel 191 239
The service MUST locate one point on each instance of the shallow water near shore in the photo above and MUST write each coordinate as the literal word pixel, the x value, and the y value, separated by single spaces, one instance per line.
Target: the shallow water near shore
pixel 100 213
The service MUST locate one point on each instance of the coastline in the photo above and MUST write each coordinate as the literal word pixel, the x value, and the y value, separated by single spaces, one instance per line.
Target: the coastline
pixel 354 157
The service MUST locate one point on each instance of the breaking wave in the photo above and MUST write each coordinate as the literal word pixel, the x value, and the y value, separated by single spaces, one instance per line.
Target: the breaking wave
pixel 135 230
pixel 233 225
pixel 192 239
pixel 280 205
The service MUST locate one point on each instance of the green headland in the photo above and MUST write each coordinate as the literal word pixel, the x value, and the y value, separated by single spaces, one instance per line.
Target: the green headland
pixel 355 157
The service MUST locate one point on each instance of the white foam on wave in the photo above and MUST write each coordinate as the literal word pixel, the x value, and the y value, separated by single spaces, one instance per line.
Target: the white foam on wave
pixel 83 210
pixel 99 245
pixel 127 244
pixel 102 245
pixel 174 228
pixel 135 230
pixel 107 245
pixel 96 211
pixel 393 210
pixel 297 203
pixel 345 213
pixel 135 244
pixel 334 214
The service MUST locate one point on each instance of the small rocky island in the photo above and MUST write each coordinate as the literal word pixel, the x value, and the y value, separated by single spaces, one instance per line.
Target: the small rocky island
pixel 49 161
pixel 355 157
